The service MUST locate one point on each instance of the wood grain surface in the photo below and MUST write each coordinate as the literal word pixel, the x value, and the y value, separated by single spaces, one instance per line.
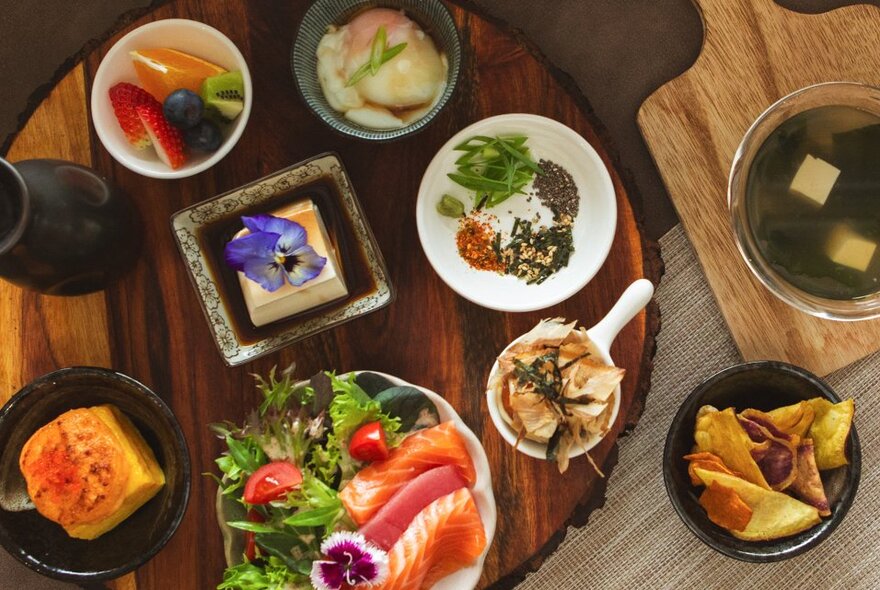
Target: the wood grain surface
pixel 149 324
pixel 754 53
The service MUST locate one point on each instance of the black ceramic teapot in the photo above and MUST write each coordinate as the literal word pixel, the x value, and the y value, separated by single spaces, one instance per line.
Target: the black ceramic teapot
pixel 64 230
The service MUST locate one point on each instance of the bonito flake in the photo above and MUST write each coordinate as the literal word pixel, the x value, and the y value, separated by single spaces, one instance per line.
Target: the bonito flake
pixel 555 389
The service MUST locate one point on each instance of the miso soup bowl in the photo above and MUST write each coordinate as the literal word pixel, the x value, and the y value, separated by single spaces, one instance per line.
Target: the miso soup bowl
pixel 852 94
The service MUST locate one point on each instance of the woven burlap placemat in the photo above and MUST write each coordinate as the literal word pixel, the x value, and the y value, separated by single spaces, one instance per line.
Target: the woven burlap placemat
pixel 637 540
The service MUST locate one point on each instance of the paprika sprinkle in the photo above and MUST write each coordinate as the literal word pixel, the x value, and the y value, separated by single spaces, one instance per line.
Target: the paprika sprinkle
pixel 476 244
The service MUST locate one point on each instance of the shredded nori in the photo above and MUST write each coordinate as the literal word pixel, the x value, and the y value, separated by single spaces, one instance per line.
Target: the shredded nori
pixel 534 255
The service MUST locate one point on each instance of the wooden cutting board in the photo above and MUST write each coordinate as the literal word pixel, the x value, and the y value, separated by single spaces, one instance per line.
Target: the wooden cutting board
pixel 149 324
pixel 754 53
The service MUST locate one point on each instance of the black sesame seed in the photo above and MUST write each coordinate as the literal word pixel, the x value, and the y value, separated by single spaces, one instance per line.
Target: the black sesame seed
pixel 557 190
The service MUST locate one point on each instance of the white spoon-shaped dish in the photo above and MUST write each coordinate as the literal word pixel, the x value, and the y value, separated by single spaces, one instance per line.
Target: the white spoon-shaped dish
pixel 633 300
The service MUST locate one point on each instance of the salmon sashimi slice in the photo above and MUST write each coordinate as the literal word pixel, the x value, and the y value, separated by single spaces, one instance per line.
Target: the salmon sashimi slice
pixel 394 517
pixel 443 538
pixel 419 452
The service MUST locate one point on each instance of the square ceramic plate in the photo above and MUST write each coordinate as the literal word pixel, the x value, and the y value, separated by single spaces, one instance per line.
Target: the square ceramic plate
pixel 237 340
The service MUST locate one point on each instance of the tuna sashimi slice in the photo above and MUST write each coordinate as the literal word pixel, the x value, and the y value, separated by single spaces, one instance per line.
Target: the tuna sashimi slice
pixel 443 538
pixel 421 451
pixel 394 517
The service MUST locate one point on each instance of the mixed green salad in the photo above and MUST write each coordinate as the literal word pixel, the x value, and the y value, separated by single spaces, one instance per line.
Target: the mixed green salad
pixel 283 468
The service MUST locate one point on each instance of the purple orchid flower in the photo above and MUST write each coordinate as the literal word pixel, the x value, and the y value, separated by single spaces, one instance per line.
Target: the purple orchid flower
pixel 276 250
pixel 351 561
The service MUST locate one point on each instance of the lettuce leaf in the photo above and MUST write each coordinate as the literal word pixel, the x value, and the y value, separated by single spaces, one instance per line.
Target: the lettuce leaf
pixel 352 407
pixel 273 575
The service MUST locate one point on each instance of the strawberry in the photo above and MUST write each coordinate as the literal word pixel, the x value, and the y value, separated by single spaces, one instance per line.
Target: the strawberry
pixel 125 98
pixel 166 138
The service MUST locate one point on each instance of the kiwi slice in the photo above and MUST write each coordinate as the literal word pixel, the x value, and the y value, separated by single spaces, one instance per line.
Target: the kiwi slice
pixel 223 95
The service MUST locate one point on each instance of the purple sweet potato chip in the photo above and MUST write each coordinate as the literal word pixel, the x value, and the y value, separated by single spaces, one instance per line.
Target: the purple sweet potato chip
pixel 776 460
pixel 807 486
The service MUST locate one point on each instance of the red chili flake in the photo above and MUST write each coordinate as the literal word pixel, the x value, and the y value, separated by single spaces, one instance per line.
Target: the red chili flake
pixel 475 240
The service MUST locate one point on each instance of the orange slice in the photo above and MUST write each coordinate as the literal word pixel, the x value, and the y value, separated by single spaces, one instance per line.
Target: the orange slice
pixel 162 71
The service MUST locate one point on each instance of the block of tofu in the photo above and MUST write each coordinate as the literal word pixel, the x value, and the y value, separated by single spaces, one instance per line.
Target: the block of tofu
pixel 814 180
pixel 848 248
pixel 265 307
pixel 89 469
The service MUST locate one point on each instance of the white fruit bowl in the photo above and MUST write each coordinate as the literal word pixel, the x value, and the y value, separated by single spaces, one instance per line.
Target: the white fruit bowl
pixel 191 37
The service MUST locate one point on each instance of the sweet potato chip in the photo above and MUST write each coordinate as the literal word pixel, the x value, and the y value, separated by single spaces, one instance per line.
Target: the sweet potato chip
pixel 720 433
pixel 830 430
pixel 793 419
pixel 766 421
pixel 706 461
pixel 774 514
pixel 808 484
pixel 725 508
pixel 778 461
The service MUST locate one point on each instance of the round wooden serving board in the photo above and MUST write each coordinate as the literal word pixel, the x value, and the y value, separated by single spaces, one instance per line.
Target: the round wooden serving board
pixel 149 324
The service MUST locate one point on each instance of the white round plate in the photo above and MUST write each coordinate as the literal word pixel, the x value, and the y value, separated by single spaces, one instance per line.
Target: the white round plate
pixel 482 491
pixel 191 37
pixel 593 230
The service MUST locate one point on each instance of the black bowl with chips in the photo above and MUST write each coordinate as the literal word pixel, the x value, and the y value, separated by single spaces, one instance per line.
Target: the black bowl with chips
pixel 763 385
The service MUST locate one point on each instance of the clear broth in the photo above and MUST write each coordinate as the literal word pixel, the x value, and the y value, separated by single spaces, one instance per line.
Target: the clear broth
pixel 792 231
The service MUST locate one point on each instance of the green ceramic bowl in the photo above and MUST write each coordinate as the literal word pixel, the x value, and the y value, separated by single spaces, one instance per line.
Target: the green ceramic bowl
pixel 431 15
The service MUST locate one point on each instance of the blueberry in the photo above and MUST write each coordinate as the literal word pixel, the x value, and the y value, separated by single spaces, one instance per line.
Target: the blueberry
pixel 183 108
pixel 205 136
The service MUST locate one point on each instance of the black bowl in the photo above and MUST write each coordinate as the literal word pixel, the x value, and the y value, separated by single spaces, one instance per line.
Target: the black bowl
pixel 763 385
pixel 43 545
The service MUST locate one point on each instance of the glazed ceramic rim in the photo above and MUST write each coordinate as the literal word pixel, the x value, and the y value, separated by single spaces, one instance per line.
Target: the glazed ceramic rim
pixel 122 156
pixel 305 55
pixel 59 376
pixel 677 500
pixel 843 93
pixel 8 241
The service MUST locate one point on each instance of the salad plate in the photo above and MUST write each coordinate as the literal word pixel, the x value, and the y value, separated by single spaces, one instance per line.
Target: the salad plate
pixel 229 510
pixel 593 228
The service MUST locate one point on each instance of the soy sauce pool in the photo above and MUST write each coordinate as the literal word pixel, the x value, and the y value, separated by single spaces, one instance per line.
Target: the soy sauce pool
pixel 828 249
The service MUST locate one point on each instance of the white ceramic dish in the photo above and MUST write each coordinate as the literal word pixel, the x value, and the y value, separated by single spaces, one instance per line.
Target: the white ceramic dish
pixel 482 492
pixel 192 37
pixel 593 231
pixel 636 297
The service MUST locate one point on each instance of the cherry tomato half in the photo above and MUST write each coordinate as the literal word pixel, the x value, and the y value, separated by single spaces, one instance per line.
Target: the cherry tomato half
pixel 368 443
pixel 250 538
pixel 271 482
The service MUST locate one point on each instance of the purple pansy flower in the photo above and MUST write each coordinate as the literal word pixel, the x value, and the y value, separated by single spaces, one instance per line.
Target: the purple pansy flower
pixel 276 250
pixel 351 561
